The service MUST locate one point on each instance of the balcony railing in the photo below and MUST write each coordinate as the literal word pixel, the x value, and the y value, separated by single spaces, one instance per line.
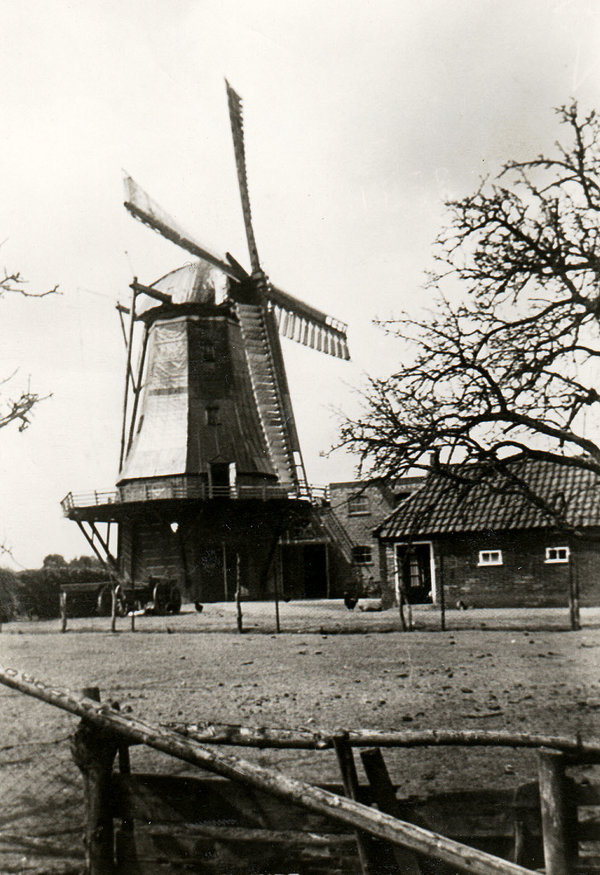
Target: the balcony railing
pixel 181 489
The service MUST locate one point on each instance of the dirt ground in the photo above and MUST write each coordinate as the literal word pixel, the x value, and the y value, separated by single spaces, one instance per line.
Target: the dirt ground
pixel 514 670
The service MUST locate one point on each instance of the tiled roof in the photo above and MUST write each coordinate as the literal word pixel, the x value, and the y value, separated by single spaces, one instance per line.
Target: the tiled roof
pixel 443 506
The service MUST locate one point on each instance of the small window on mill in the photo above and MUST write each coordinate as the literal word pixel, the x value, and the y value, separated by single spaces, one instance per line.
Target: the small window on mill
pixel 490 557
pixel 212 415
pixel 557 554
pixel 209 353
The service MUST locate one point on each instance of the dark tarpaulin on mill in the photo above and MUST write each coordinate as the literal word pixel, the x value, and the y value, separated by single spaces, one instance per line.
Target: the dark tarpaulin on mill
pixel 212 494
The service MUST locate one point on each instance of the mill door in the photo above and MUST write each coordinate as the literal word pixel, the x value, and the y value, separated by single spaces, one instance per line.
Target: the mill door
pixel 315 571
pixel 414 572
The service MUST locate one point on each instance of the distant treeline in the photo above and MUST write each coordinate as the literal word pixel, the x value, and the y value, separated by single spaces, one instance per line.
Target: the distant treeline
pixel 34 593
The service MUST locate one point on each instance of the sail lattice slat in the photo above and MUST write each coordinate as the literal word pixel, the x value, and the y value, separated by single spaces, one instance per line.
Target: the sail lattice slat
pixel 266 393
pixel 307 325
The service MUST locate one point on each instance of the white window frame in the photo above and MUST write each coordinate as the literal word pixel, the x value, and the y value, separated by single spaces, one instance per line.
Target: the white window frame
pixel 365 510
pixel 486 558
pixel 557 560
pixel 368 561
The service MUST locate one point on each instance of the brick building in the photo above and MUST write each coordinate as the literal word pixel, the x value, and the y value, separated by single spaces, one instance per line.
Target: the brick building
pixel 488 548
pixel 360 506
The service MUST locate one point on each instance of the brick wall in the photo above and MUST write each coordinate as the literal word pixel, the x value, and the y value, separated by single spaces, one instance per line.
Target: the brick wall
pixel 524 579
pixel 378 503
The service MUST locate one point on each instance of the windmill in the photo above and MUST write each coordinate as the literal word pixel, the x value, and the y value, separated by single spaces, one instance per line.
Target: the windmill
pixel 207 414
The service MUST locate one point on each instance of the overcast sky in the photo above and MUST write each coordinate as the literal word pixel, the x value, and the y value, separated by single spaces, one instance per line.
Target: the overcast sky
pixel 360 118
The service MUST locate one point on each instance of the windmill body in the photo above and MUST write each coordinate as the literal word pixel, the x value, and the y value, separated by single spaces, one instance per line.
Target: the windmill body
pixel 211 479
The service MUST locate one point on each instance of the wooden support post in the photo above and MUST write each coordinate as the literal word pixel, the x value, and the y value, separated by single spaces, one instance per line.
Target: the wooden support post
pixel 137 387
pixel 574 615
pixel 556 822
pixel 576 593
pixel 128 376
pixel 350 781
pixel 442 596
pixel 276 577
pixel 400 574
pixel 401 609
pixel 124 834
pixel 225 586
pixel 63 611
pixel 385 797
pixel 94 751
pixel 113 608
pixel 238 593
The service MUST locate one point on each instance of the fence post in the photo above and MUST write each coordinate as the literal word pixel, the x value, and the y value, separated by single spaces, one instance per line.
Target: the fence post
pixel 63 611
pixel 574 614
pixel 113 607
pixel 557 820
pixel 238 592
pixel 350 781
pixel 384 795
pixel 93 751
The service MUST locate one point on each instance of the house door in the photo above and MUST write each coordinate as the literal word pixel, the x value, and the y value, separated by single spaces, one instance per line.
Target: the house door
pixel 414 572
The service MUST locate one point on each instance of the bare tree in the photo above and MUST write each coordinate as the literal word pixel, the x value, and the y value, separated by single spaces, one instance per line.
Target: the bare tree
pixel 512 367
pixel 18 408
pixel 15 284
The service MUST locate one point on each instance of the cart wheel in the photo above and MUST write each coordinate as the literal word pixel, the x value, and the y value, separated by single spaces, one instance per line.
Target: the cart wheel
pixel 104 601
pixel 160 597
pixel 121 601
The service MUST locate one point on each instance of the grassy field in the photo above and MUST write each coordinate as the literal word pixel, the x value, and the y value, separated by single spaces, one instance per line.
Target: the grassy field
pixel 495 670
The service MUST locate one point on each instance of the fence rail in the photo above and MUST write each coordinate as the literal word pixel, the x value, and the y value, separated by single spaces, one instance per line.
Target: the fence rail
pixel 104 726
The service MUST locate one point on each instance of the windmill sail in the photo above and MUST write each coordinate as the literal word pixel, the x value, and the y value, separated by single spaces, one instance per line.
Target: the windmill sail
pixel 296 320
pixel 309 326
pixel 237 132
pixel 146 210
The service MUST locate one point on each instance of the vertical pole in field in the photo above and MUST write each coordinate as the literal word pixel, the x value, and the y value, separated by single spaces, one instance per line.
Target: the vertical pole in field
pixel 238 592
pixel 63 611
pixel 276 578
pixel 224 558
pixel 574 615
pixel 442 596
pixel 113 607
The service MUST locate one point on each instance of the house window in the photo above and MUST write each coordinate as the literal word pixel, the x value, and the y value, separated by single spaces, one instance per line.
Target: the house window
pixel 557 554
pixel 212 415
pixel 358 505
pixel 490 557
pixel 362 555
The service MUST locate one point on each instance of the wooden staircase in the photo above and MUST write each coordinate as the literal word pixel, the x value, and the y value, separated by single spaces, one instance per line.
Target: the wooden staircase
pixel 329 524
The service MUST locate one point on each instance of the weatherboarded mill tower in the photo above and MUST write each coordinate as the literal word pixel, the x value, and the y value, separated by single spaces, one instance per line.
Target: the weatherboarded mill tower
pixel 212 495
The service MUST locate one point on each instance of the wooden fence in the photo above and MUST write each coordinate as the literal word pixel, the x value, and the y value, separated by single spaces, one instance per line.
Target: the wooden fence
pixel 105 732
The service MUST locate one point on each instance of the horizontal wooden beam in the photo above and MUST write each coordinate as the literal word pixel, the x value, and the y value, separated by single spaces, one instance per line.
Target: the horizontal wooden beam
pixel 339 808
pixel 152 293
pixel 223 733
